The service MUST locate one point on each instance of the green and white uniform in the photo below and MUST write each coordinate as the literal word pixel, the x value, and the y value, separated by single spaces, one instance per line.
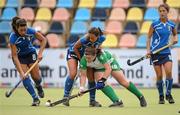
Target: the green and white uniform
pixel 101 59
pixel 97 64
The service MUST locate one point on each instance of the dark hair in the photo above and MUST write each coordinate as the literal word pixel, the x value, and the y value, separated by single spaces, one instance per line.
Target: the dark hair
pixel 96 31
pixel 93 51
pixel 90 51
pixel 166 6
pixel 17 22
pixel 13 24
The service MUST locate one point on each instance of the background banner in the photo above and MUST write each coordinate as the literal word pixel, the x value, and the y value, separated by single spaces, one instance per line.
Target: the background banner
pixel 54 69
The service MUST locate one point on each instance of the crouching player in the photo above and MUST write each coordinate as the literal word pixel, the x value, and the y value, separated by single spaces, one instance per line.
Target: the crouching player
pixel 105 65
pixel 24 55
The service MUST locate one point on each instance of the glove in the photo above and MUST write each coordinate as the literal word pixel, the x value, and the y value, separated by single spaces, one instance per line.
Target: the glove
pixel 101 83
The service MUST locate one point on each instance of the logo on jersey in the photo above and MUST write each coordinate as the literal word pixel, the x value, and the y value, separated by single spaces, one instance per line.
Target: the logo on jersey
pixel 169 28
pixel 156 41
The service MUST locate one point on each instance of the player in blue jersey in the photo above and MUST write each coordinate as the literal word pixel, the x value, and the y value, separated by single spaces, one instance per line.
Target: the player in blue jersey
pixel 93 38
pixel 24 55
pixel 160 35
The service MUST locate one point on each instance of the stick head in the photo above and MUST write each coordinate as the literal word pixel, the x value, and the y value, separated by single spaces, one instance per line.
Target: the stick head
pixel 128 62
pixel 48 103
pixel 7 94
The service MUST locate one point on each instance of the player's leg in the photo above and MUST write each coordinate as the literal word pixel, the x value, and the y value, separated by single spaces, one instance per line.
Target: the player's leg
pixel 35 74
pixel 169 81
pixel 72 65
pixel 159 83
pixel 109 92
pixel 119 76
pixel 91 84
pixel 29 87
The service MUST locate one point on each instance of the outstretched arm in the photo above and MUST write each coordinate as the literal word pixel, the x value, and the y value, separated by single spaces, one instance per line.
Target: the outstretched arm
pixel 77 46
pixel 43 42
pixel 149 40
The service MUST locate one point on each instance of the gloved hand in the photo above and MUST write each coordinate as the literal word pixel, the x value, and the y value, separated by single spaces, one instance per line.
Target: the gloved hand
pixel 101 83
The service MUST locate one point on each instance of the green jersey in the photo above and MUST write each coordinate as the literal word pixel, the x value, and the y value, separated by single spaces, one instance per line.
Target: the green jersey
pixel 97 64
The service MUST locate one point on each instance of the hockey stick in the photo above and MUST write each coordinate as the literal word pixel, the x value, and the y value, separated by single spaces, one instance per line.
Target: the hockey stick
pixel 8 93
pixel 67 99
pixel 145 56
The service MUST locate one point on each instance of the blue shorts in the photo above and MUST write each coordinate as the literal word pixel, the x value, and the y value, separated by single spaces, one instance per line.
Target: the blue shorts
pixel 28 59
pixel 159 59
pixel 71 55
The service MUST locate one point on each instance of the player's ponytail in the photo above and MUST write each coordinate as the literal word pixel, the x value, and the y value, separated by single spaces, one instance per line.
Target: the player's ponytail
pixel 13 24
pixel 100 31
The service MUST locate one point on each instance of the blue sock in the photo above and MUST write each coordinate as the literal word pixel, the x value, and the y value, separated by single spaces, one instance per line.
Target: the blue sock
pixel 160 86
pixel 92 93
pixel 38 82
pixel 169 83
pixel 68 86
pixel 29 87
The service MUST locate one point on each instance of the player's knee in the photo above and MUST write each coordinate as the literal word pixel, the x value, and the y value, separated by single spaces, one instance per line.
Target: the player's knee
pixel 169 74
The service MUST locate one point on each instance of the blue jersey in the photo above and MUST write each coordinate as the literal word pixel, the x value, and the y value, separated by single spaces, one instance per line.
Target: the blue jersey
pixel 23 44
pixel 161 35
pixel 86 43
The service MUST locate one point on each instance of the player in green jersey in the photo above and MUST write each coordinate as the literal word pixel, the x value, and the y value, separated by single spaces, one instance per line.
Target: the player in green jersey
pixel 105 65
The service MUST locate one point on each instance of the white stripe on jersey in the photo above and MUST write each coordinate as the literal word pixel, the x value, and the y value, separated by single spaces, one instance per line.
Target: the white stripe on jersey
pixel 157 24
pixel 158 42
pixel 170 24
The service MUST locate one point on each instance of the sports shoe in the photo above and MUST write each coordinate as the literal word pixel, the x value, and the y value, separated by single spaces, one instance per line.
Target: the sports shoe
pixel 143 102
pixel 170 99
pixel 161 99
pixel 94 104
pixel 117 104
pixel 36 102
pixel 66 103
pixel 40 91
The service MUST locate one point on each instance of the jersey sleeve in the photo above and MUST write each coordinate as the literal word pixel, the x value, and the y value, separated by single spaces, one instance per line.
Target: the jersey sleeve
pixel 83 40
pixel 31 31
pixel 102 38
pixel 83 63
pixel 12 38
pixel 103 59
pixel 173 25
pixel 153 24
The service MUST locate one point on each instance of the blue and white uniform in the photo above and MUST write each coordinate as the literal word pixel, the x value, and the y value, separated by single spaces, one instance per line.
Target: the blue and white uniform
pixel 25 50
pixel 85 43
pixel 161 36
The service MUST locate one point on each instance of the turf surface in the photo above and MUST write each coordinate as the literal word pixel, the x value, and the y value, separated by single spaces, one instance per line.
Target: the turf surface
pixel 19 104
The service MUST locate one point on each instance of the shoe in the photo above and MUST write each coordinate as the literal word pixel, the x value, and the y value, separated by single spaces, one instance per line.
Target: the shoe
pixel 117 104
pixel 143 102
pixel 161 99
pixel 94 104
pixel 66 103
pixel 36 102
pixel 40 91
pixel 170 99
